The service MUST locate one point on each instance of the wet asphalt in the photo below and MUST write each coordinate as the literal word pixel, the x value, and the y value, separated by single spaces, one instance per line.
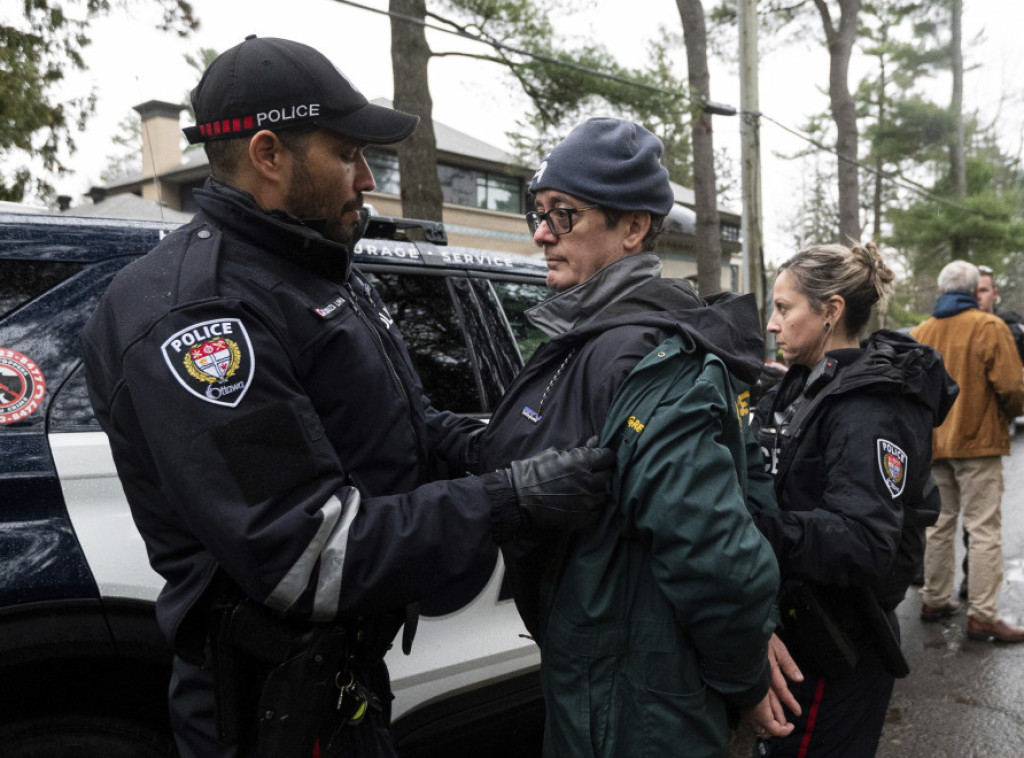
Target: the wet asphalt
pixel 963 698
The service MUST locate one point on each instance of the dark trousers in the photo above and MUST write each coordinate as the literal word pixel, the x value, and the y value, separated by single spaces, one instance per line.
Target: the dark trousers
pixel 842 718
pixel 191 703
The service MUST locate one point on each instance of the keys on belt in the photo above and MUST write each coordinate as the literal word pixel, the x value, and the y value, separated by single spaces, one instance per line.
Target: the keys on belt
pixel 354 698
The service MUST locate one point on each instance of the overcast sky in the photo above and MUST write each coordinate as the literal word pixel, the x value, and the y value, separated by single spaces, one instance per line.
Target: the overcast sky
pixel 130 62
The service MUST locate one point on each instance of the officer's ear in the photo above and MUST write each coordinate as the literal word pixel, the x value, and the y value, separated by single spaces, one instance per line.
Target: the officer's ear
pixel 834 308
pixel 268 157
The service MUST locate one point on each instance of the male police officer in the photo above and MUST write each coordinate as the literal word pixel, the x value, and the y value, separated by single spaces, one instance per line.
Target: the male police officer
pixel 289 477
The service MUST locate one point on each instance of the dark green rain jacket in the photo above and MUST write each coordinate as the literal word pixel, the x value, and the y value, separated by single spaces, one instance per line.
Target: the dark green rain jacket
pixel 663 613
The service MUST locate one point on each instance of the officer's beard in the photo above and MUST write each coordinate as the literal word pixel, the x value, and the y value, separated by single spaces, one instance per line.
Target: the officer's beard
pixel 307 204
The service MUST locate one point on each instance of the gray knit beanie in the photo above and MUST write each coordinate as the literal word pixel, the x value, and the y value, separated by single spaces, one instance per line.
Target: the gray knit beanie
pixel 609 162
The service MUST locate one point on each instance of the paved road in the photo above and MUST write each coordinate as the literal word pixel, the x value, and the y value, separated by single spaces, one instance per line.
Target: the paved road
pixel 963 699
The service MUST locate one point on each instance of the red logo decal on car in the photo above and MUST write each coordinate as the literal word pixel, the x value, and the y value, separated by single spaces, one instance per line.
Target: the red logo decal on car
pixel 22 386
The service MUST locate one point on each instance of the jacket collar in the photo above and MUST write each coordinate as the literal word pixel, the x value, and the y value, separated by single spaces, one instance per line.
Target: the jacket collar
pixel 278 232
pixel 887 363
pixel 565 311
pixel 951 303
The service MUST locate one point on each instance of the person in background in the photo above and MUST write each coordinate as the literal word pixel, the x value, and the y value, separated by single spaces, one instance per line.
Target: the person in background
pixel 294 487
pixel 987 295
pixel 967 452
pixel 847 437
pixel 657 621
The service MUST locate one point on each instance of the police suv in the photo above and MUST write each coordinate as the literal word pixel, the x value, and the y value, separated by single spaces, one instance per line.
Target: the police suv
pixel 84 669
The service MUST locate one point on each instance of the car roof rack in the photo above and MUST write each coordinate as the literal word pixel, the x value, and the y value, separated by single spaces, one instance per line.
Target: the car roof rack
pixel 410 229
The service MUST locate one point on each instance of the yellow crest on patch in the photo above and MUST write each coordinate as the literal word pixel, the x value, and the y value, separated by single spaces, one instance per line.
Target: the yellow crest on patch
pixel 742 405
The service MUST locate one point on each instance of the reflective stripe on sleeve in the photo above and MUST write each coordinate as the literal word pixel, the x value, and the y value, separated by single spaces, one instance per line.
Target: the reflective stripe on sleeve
pixel 328 545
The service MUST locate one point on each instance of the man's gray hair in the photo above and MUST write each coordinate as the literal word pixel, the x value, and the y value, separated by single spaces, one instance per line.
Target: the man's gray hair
pixel 958 276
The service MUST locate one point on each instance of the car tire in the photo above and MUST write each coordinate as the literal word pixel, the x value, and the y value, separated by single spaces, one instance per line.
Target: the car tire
pixel 83 737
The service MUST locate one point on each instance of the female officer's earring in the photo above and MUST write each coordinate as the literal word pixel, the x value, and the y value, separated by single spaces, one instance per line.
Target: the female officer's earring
pixel 828 325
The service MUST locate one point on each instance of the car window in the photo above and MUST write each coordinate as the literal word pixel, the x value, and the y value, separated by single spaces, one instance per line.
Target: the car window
pixel 515 298
pixel 24 280
pixel 422 308
pixel 488 334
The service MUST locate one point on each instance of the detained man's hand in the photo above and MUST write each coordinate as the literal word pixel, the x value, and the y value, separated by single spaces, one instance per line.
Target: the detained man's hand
pixel 783 668
pixel 765 721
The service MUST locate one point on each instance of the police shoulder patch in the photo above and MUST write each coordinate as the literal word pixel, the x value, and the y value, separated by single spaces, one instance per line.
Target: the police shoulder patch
pixel 892 463
pixel 212 359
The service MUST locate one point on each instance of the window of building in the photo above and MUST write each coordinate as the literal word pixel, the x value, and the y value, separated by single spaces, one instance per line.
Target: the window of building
pixel 459 185
pixel 499 193
pixel 481 189
pixel 385 171
pixel 730 232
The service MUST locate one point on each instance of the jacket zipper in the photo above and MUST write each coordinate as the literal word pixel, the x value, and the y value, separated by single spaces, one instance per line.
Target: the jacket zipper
pixel 382 349
pixel 392 372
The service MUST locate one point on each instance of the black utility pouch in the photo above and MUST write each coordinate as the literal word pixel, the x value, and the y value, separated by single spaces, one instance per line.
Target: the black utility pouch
pixel 883 636
pixel 815 635
pixel 299 695
pixel 275 679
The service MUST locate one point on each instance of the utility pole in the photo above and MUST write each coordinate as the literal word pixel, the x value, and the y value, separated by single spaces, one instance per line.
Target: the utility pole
pixel 750 152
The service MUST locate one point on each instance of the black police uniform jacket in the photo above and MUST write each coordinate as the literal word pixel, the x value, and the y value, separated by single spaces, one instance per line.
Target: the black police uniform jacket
pixel 853 478
pixel 265 418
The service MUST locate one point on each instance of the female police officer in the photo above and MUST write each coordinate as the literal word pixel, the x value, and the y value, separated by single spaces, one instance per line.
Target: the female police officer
pixel 847 436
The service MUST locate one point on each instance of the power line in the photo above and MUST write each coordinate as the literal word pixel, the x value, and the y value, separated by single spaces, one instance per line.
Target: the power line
pixel 501 46
pixel 894 177
pixel 719 109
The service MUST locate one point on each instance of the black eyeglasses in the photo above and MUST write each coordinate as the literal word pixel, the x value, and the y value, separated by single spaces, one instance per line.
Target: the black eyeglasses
pixel 559 220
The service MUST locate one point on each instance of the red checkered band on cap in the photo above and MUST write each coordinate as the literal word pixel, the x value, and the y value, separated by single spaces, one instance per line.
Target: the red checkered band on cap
pixel 227 126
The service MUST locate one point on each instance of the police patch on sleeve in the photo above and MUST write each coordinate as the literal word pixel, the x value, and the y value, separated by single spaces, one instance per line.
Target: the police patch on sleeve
pixel 892 462
pixel 213 360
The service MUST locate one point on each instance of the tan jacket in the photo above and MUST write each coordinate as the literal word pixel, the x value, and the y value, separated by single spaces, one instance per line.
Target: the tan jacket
pixel 979 354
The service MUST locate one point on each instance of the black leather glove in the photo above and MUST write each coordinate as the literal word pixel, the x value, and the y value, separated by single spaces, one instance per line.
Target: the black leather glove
pixel 563 489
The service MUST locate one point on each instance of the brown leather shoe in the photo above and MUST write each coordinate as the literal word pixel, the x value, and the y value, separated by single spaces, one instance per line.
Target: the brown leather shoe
pixel 939 612
pixel 999 631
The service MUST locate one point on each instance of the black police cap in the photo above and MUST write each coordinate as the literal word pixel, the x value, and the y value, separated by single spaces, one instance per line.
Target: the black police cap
pixel 268 83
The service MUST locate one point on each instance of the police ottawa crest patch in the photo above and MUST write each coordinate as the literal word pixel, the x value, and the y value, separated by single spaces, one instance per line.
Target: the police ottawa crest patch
pixel 212 359
pixel 892 462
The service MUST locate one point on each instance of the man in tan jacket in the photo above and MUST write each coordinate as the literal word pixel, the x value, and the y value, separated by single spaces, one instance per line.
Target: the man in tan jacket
pixel 979 354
